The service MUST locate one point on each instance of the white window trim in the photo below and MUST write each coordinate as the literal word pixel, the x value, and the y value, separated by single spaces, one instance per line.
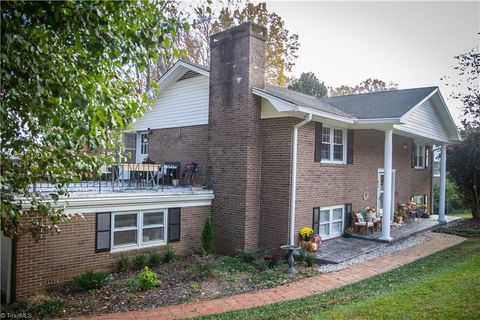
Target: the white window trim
pixel 139 228
pixel 331 145
pixel 420 147
pixel 436 171
pixel 139 155
pixel 331 221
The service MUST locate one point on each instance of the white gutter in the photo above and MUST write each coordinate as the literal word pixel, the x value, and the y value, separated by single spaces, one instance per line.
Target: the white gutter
pixel 293 188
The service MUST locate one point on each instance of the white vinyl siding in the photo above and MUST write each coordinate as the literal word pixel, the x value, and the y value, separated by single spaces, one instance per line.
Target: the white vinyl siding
pixel 425 121
pixel 184 103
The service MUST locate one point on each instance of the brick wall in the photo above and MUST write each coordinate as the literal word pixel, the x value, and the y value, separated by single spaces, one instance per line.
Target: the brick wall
pixel 236 64
pixel 322 184
pixel 58 258
pixel 184 145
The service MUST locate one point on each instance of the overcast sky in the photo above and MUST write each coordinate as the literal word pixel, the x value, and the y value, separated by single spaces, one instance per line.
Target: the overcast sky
pixel 410 43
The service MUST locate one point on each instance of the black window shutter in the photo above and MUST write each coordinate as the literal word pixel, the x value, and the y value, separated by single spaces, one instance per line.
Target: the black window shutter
pixel 103 231
pixel 174 218
pixel 318 142
pixel 316 220
pixel 349 146
pixel 413 155
pixel 348 215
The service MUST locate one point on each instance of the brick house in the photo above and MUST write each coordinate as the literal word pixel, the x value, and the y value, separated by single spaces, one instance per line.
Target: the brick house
pixel 272 161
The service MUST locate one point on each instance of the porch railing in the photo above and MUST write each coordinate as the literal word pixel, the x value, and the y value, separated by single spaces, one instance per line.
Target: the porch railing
pixel 126 177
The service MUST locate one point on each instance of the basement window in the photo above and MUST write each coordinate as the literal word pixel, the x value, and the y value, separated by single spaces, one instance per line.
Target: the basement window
pixel 138 229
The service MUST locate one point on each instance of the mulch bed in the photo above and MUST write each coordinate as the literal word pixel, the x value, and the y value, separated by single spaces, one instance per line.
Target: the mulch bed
pixel 177 285
pixel 466 228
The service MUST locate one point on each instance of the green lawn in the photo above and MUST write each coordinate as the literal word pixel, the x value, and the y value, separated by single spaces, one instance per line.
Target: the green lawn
pixel 466 215
pixel 445 285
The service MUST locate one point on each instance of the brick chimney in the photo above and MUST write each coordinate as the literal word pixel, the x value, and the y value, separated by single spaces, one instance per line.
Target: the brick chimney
pixel 234 143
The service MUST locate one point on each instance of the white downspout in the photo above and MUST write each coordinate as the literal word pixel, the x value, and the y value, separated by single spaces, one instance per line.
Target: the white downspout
pixel 293 188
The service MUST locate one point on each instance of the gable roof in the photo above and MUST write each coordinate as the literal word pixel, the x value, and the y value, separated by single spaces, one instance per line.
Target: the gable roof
pixel 380 105
pixel 382 108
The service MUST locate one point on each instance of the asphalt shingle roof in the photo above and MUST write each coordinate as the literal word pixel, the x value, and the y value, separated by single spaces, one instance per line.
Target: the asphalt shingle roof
pixel 376 105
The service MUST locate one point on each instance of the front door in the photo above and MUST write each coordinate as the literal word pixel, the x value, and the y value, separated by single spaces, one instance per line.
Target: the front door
pixel 380 189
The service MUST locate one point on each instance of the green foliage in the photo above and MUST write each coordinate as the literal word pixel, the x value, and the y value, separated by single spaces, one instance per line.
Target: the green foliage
pixel 122 264
pixel 67 90
pixel 310 259
pixel 366 86
pixel 453 201
pixel 203 268
pixel 252 255
pixel 91 280
pixel 234 264
pixel 169 254
pixel 45 306
pixel 139 261
pixel 207 236
pixel 463 166
pixel 308 84
pixel 154 258
pixel 269 278
pixel 147 279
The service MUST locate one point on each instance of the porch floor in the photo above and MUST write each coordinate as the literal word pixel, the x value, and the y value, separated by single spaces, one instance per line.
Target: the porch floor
pixel 341 249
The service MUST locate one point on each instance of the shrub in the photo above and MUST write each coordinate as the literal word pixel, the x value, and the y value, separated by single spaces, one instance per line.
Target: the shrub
pixel 310 259
pixel 139 261
pixel 154 258
pixel 91 280
pixel 207 236
pixel 147 279
pixel 168 254
pixel 44 306
pixel 233 264
pixel 123 263
pixel 202 268
pixel 251 256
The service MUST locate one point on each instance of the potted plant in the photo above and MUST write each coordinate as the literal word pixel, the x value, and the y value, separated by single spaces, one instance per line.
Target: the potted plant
pixel 308 240
pixel 371 213
pixel 399 216
pixel 348 232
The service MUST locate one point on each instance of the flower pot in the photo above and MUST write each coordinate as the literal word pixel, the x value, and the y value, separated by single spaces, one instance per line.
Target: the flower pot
pixel 175 182
pixel 347 235
pixel 371 215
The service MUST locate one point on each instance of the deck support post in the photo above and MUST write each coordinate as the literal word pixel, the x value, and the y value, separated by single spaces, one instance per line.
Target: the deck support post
pixel 387 185
pixel 443 172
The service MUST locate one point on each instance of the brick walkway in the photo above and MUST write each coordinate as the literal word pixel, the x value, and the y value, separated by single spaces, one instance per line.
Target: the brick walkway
pixel 302 288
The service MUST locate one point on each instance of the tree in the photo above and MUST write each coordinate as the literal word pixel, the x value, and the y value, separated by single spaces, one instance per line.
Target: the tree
pixel 308 84
pixel 463 166
pixel 366 86
pixel 67 95
pixel 281 46
pixel 466 87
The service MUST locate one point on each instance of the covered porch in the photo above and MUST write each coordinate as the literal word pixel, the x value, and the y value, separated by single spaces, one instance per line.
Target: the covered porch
pixel 340 249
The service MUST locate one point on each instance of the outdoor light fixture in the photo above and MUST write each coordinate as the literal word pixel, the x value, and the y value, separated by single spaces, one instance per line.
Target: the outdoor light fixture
pixel 404 146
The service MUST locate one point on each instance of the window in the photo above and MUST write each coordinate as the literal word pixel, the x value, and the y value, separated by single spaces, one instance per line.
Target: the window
pixel 144 143
pixel 333 145
pixel 419 156
pixel 331 221
pixel 136 229
pixel 436 168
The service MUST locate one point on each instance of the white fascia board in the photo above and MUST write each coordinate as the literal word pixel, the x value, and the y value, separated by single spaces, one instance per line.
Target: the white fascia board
pixel 326 115
pixel 279 104
pixel 412 132
pixel 405 117
pixel 379 121
pixel 133 201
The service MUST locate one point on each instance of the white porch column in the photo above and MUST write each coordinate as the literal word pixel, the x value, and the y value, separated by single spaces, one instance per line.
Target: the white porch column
pixel 443 172
pixel 387 186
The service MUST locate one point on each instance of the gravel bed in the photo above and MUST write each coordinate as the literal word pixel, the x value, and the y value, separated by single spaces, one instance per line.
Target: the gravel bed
pixel 381 251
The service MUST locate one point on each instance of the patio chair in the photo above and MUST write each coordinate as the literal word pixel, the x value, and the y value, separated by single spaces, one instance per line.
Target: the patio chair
pixel 360 223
